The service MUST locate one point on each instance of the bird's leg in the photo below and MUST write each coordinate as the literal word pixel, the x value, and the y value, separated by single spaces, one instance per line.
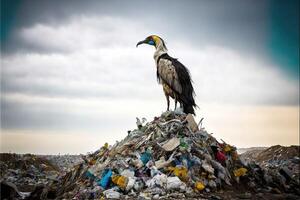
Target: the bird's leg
pixel 168 102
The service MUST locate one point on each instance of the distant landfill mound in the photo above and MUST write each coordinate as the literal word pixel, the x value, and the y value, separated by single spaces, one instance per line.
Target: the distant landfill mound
pixel 171 157
pixel 273 155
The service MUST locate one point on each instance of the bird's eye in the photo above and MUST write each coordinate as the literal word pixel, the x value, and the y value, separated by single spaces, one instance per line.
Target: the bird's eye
pixel 151 42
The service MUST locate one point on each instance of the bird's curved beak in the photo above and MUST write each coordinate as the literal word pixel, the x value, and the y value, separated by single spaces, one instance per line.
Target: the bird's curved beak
pixel 141 42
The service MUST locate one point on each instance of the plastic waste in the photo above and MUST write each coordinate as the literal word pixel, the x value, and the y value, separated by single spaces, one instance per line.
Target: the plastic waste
pixel 120 181
pixel 191 123
pixel 101 152
pixel 180 172
pixel 171 144
pixel 199 186
pixel 154 171
pixel 240 172
pixel 158 180
pixel 130 184
pixel 174 183
pixel 222 172
pixel 220 156
pixel 90 174
pixel 183 145
pixel 207 167
pixel 144 196
pixel 112 194
pixel 138 185
pixel 227 148
pixel 106 178
pixel 234 155
pixel 137 163
pixel 212 184
pixel 128 173
pixel 145 157
pixel 162 162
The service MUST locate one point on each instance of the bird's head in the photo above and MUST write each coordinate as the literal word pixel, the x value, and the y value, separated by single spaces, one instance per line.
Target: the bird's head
pixel 153 40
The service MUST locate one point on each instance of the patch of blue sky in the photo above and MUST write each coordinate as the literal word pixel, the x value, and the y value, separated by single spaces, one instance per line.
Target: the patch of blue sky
pixel 283 43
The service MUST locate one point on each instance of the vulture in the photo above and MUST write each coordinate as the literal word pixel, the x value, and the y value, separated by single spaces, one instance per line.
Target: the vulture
pixel 174 77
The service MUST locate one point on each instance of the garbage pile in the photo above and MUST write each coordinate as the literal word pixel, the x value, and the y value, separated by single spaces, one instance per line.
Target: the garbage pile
pixel 251 152
pixel 273 156
pixel 281 165
pixel 171 157
pixel 63 162
pixel 24 172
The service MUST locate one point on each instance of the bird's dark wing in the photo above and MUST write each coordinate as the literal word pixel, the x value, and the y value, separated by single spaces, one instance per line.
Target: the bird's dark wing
pixel 178 78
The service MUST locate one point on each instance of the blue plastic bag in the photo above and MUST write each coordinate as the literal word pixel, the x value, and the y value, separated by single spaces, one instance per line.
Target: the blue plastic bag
pixel 90 175
pixel 145 157
pixel 106 179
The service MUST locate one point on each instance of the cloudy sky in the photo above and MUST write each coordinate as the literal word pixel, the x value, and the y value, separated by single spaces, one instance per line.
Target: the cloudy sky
pixel 72 78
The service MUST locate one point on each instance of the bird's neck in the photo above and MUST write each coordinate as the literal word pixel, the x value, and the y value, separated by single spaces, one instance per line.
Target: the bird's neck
pixel 160 49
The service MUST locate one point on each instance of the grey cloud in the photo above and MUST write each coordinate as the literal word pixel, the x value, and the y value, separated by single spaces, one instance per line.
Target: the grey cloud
pixel 36 116
pixel 85 51
pixel 237 24
pixel 96 74
pixel 67 90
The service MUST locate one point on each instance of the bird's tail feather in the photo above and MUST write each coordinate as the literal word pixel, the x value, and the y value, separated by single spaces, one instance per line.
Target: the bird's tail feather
pixel 188 103
pixel 187 108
